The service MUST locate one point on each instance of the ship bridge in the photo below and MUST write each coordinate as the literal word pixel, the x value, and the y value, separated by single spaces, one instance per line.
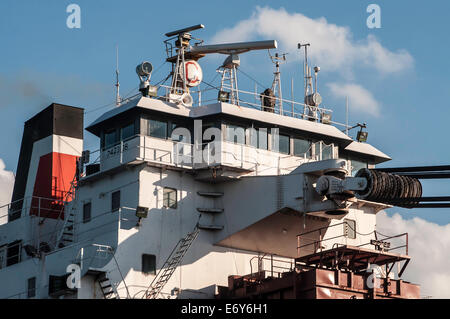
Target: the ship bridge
pixel 228 140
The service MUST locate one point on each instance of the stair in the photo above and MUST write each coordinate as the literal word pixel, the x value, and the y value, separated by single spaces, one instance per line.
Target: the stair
pixel 172 262
pixel 67 235
pixel 108 290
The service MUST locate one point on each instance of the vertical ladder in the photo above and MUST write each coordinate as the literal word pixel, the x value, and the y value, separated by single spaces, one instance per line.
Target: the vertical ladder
pixel 67 233
pixel 172 262
pixel 108 289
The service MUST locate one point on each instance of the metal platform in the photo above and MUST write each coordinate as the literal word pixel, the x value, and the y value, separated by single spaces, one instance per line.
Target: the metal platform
pixel 353 258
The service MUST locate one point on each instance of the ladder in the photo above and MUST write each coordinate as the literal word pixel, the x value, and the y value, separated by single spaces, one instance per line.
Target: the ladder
pixel 172 262
pixel 108 289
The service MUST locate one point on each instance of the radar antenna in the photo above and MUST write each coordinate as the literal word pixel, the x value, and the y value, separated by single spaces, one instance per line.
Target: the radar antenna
pixel 186 72
pixel 179 91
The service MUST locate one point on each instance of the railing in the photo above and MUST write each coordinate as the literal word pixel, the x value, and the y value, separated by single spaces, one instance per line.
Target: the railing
pixel 34 205
pixel 377 243
pixel 197 156
pixel 277 267
pixel 289 107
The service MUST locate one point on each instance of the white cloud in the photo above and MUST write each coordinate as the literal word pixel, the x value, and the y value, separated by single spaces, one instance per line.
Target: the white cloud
pixel 429 249
pixel 6 187
pixel 360 99
pixel 332 46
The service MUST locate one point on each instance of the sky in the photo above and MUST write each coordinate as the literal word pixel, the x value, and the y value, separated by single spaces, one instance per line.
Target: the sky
pixel 396 76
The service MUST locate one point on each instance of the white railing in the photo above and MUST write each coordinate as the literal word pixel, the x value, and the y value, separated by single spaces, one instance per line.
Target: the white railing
pixel 253 100
pixel 197 156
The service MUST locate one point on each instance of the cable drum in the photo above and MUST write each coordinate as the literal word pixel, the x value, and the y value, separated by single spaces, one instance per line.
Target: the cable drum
pixel 403 191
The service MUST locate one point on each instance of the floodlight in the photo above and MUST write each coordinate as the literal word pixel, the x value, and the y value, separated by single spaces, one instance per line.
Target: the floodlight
pixel 144 69
pixel 362 136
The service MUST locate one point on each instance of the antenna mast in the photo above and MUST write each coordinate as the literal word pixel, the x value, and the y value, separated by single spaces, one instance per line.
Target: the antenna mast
pixel 118 99
pixel 276 84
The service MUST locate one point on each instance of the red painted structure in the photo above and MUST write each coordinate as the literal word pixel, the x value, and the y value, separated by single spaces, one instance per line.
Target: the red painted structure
pixel 52 186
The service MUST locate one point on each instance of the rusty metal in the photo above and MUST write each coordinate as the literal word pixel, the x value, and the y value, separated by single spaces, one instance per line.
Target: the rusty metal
pixel 317 284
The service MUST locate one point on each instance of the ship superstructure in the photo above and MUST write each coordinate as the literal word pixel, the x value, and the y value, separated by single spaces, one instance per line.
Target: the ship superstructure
pixel 187 198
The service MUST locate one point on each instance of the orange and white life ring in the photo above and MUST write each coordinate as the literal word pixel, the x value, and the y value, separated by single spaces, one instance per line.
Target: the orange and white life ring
pixel 193 73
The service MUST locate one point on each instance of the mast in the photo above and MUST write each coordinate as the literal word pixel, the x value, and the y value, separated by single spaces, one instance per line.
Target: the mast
pixel 117 85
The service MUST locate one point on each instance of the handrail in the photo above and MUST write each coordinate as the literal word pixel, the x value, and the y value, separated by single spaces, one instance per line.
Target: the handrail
pixel 259 106
pixel 272 266
pixel 182 154
pixel 318 243
pixel 27 205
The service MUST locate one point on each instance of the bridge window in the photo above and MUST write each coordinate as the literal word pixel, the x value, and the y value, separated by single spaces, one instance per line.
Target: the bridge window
pixel 157 128
pixel 357 165
pixel 169 197
pixel 258 138
pixel 235 134
pixel 110 138
pixel 149 264
pixel 302 147
pixel 283 144
pixel 127 131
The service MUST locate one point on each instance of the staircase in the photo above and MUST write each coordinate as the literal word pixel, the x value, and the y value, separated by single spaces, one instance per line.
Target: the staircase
pixel 209 212
pixel 66 236
pixel 108 289
pixel 167 270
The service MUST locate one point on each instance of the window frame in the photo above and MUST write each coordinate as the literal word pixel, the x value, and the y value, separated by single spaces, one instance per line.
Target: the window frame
pixel 116 139
pixel 258 136
pixel 308 151
pixel 288 144
pixel 235 137
pixel 149 128
pixel 167 204
pixel 122 138
pixel 18 255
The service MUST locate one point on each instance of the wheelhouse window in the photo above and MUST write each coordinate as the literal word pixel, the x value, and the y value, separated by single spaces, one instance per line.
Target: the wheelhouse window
pixel 110 138
pixel 235 134
pixel 357 165
pixel 283 144
pixel 258 138
pixel 169 197
pixel 302 147
pixel 157 128
pixel 127 131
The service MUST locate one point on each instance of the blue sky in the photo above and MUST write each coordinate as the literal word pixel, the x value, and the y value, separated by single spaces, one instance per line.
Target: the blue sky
pixel 41 60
